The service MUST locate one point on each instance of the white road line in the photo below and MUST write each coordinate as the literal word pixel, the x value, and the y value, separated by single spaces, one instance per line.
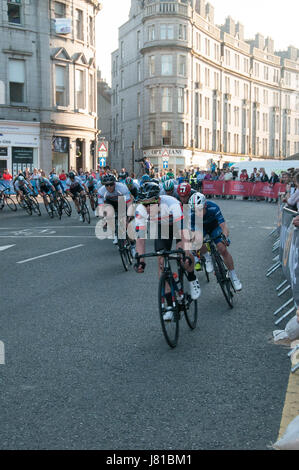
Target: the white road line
pixel 2 248
pixel 49 254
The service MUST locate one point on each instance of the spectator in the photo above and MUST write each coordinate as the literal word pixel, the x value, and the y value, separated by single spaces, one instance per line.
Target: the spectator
pixel 272 181
pixel 62 176
pixel 293 200
pixel 6 176
pixel 244 176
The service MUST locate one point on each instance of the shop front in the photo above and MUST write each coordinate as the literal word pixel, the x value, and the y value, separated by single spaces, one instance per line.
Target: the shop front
pixel 19 146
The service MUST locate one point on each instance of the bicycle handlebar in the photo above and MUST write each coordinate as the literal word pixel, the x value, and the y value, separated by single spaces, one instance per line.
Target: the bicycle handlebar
pixel 164 253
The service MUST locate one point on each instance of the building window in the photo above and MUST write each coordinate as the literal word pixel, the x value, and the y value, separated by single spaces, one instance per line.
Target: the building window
pixel 152 101
pixel 246 65
pixel 91 31
pixel 166 133
pixel 182 65
pixel 14 11
pixel 151 33
pixel 122 80
pixel 79 24
pixel 122 50
pixel 152 134
pixel 80 101
pixel 207 46
pixel 166 100
pixel 122 140
pixel 91 93
pixel 256 69
pixel 138 71
pixel 227 57
pixel 138 104
pixel 166 31
pixel 151 65
pixel 183 32
pixel 122 110
pixel 180 100
pixel 181 134
pixel 16 77
pixel 207 77
pixel 237 62
pixel 138 40
pixel 166 65
pixel 60 85
pixel 138 137
pixel 207 109
pixel 59 10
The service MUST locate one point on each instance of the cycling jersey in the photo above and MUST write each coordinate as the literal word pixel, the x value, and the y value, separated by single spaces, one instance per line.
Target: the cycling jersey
pixel 174 194
pixel 134 190
pixel 24 186
pixel 104 196
pixel 211 221
pixel 57 185
pixel 45 186
pixel 91 185
pixel 74 185
pixel 170 212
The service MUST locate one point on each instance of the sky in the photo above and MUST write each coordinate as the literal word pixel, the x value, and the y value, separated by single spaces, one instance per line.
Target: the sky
pixel 275 18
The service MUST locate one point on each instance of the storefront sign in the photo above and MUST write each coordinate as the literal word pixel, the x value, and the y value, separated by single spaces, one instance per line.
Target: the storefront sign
pixel 3 151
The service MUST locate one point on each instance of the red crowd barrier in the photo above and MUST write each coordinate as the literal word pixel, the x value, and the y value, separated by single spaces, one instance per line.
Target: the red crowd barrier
pixel 237 188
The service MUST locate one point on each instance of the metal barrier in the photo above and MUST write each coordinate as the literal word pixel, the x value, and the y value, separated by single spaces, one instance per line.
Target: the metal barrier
pixel 287 242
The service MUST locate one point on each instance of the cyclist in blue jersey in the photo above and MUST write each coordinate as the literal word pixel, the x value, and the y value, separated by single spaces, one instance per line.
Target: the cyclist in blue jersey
pixel 45 188
pixel 214 225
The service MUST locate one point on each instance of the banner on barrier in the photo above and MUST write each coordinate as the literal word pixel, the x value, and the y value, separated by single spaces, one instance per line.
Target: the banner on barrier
pixel 237 188
pixel 246 189
pixel 213 187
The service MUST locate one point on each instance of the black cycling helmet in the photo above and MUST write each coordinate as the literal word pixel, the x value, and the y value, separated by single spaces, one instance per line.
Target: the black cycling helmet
pixel 72 175
pixel 148 192
pixel 108 179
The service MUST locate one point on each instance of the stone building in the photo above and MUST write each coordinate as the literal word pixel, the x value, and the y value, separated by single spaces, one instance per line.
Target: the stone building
pixel 48 106
pixel 185 90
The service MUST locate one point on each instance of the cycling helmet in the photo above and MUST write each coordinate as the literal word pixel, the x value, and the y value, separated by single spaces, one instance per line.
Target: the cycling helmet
pixel 122 176
pixel 196 200
pixel 55 178
pixel 145 178
pixel 164 178
pixel 108 179
pixel 155 180
pixel 129 181
pixel 72 175
pixel 21 178
pixel 168 185
pixel 184 189
pixel 90 178
pixel 148 192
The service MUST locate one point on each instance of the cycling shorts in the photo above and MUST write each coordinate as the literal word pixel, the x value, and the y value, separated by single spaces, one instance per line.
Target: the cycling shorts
pixel 214 233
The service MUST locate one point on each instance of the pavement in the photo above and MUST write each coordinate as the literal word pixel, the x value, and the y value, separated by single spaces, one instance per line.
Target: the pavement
pixel 86 364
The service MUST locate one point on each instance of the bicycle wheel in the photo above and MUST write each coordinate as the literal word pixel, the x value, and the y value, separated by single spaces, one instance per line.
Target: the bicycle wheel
pixel 27 206
pixel 170 328
pixel 203 263
pixel 35 206
pixel 85 213
pixel 189 306
pixel 129 252
pixel 224 279
pixel 66 206
pixel 10 203
pixel 21 202
pixel 123 254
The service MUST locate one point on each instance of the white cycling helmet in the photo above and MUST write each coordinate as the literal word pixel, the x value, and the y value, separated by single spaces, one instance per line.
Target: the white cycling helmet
pixel 197 200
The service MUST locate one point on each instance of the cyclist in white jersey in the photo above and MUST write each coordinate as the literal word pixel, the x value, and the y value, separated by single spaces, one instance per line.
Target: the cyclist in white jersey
pixel 166 214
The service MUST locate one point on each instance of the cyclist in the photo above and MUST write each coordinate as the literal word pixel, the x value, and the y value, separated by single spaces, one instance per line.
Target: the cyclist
pixel 132 187
pixel 214 225
pixel 44 188
pixel 92 190
pixel 109 194
pixel 161 210
pixel 185 193
pixel 145 179
pixel 55 181
pixel 122 177
pixel 22 187
pixel 75 188
pixel 169 189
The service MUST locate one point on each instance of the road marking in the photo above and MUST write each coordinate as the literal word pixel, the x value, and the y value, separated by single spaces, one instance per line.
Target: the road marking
pixel 49 254
pixel 2 248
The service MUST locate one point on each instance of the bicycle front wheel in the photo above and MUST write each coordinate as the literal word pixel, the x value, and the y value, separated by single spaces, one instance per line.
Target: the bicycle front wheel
pixel 123 254
pixel 224 280
pixel 190 307
pixel 170 328
pixel 10 203
pixel 35 205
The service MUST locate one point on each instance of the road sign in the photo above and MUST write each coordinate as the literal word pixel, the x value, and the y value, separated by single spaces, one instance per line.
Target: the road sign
pixel 165 164
pixel 102 161
pixel 165 155
pixel 103 150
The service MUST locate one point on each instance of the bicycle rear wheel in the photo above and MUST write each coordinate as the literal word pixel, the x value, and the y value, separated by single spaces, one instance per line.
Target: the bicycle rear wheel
pixel 190 307
pixel 10 203
pixel 224 280
pixel 66 206
pixel 35 205
pixel 170 328
pixel 203 263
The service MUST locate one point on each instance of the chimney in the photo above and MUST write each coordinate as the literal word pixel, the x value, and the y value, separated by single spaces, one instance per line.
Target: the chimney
pixel 259 41
pixel 230 26
pixel 210 13
pixel 292 53
pixel 270 45
pixel 240 31
pixel 200 8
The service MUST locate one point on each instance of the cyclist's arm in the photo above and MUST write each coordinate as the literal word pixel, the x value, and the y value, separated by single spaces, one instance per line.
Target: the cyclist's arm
pixel 225 229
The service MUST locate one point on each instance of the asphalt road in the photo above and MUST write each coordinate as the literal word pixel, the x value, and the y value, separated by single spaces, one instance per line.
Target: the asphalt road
pixel 87 366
